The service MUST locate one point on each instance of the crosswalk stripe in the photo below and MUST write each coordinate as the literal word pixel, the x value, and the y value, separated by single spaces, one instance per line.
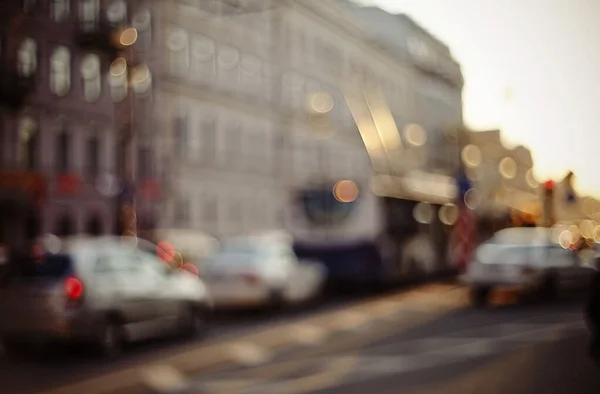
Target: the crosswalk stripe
pixel 163 379
pixel 248 354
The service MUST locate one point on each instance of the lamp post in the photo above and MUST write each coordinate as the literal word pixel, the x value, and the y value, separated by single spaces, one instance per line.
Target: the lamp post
pixel 132 77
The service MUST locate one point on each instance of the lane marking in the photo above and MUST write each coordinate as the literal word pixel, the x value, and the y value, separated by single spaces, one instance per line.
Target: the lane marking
pixel 248 354
pixel 211 355
pixel 308 335
pixel 163 379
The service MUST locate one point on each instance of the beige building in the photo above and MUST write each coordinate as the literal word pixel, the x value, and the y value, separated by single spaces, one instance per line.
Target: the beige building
pixel 503 177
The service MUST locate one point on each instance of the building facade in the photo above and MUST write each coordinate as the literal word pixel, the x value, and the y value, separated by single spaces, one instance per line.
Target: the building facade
pixel 252 103
pixel 65 134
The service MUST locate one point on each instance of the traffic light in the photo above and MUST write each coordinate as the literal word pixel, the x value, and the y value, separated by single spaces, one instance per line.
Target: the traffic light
pixel 549 188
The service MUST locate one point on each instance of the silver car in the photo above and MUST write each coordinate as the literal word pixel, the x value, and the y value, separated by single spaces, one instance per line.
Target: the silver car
pixel 101 291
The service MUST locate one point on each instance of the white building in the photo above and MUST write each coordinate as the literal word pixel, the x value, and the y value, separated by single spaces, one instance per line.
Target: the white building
pixel 233 80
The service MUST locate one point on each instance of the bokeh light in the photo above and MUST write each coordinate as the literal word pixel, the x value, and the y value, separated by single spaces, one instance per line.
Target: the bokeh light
pixel 165 251
pixel 508 168
pixel 423 213
pixel 415 135
pixel 471 156
pixel 345 191
pixel 448 214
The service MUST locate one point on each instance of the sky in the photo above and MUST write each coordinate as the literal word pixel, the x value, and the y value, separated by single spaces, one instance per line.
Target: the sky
pixel 546 54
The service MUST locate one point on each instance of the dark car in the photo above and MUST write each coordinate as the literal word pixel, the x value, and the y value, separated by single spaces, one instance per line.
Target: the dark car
pixel 593 315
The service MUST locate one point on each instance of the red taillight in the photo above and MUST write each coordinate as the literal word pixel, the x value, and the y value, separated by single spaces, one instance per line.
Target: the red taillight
pixel 250 278
pixel 74 288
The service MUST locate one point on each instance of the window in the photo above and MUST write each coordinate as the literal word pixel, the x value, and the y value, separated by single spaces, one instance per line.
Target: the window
pixel 89 13
pixel 27 57
pixel 28 141
pixel 116 12
pixel 65 227
pixel 144 167
pixel 142 22
pixel 203 58
pixel 178 46
pixel 62 152
pixel 118 80
pixel 60 9
pixel 94 226
pixel 228 61
pixel 60 71
pixel 180 131
pixel 182 213
pixel 92 80
pixel 251 76
pixel 209 209
pixel 93 156
pixel 208 138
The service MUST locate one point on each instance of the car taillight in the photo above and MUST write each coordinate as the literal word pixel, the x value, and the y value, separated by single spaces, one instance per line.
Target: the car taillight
pixel 250 278
pixel 73 288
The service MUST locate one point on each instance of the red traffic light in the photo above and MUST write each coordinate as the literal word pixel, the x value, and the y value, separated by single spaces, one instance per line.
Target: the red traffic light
pixel 549 185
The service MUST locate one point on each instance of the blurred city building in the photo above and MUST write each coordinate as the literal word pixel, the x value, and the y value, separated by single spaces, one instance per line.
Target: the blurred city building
pixel 62 140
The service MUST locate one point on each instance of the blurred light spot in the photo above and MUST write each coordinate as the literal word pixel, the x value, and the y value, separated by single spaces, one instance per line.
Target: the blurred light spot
pixel 191 268
pixel 177 261
pixel 471 156
pixel 128 37
pixel 118 67
pixel 472 198
pixel 165 251
pixel 423 213
pixel 575 233
pixel 141 79
pixel 587 229
pixel 52 243
pixel 597 234
pixel 508 168
pixel 565 239
pixel 557 230
pixel 321 103
pixel 345 191
pixel 37 253
pixel 530 177
pixel 415 135
pixel 448 214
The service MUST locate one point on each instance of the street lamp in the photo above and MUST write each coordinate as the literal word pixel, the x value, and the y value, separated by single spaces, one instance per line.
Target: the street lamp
pixel 129 79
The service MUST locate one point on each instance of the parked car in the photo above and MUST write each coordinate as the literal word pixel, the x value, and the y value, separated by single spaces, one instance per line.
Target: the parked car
pixel 525 260
pixel 102 291
pixel 261 270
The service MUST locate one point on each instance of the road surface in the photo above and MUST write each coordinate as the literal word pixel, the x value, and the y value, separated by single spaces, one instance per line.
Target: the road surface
pixel 423 340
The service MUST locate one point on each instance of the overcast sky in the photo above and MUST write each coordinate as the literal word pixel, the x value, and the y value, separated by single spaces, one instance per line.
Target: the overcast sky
pixel 546 52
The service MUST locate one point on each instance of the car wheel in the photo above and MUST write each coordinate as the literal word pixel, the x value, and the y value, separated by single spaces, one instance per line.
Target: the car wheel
pixel 276 301
pixel 110 339
pixel 196 322
pixel 480 296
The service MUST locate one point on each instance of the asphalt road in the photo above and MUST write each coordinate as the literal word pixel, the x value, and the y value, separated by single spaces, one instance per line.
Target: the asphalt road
pixel 425 340
pixel 59 366
pixel 507 349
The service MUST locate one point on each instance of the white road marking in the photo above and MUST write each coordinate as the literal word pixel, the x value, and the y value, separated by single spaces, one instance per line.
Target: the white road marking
pixel 309 335
pixel 248 354
pixel 352 320
pixel 163 379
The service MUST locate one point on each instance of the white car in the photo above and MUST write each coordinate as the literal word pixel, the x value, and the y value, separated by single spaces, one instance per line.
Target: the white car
pixel 526 260
pixel 260 271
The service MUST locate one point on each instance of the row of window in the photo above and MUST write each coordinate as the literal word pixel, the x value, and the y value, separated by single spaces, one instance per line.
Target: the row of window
pixel 89 12
pixel 235 140
pixel 90 70
pixel 30 149
pixel 214 211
